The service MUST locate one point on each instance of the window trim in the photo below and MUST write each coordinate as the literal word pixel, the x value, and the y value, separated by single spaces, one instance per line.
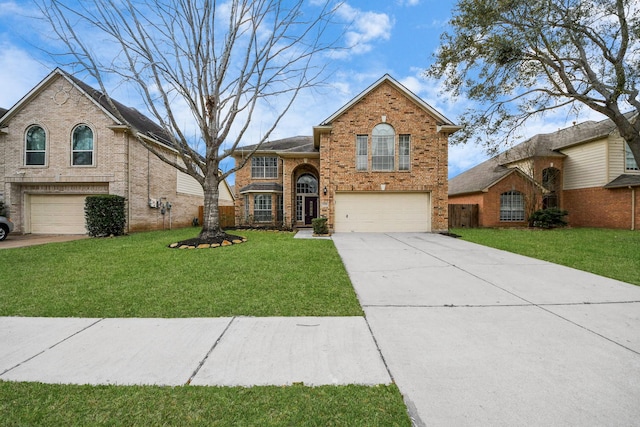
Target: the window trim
pixel 509 212
pixel 264 168
pixel 74 151
pixel 404 158
pixel 362 152
pixel 628 158
pixel 45 151
pixel 383 159
pixel 268 201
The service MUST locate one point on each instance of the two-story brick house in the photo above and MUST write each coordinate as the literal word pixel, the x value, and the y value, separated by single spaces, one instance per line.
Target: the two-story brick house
pixel 377 164
pixel 61 142
pixel 586 169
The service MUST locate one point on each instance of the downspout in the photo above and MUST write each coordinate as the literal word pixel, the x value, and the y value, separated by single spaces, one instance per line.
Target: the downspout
pixel 633 208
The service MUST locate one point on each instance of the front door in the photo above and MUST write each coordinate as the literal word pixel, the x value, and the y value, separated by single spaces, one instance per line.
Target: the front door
pixel 310 209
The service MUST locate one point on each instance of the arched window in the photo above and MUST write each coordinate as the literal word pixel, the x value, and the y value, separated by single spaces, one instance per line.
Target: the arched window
pixel 82 142
pixel 35 147
pixel 512 206
pixel 307 184
pixel 382 147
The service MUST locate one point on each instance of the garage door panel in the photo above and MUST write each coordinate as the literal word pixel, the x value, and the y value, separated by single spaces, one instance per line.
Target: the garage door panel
pixel 57 214
pixel 383 212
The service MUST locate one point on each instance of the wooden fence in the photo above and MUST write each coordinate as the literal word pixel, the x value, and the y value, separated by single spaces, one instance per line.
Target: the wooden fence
pixel 463 216
pixel 227 216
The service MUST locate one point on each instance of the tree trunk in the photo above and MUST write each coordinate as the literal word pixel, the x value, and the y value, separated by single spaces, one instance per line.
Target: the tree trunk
pixel 211 215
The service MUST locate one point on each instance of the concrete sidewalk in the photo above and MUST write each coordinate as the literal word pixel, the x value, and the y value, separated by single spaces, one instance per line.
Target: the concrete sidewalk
pixel 239 351
pixel 478 336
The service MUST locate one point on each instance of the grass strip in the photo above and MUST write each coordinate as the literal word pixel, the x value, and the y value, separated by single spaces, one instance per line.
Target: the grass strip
pixel 36 404
pixel 606 252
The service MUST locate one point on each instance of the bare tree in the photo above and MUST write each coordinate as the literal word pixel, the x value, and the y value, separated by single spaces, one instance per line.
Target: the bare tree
pixel 522 58
pixel 222 59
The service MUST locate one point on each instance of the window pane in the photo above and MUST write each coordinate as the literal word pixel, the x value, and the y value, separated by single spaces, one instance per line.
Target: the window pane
pixel 404 150
pixel 83 138
pixel 382 147
pixel 361 152
pixel 262 208
pixel 83 158
pixel 264 167
pixel 35 158
pixel 307 184
pixel 511 206
pixel 630 162
pixel 36 138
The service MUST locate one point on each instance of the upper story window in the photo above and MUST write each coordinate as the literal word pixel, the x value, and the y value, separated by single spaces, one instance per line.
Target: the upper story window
pixel 36 146
pixel 362 153
pixel 630 163
pixel 264 167
pixel 512 206
pixel 404 150
pixel 82 146
pixel 382 148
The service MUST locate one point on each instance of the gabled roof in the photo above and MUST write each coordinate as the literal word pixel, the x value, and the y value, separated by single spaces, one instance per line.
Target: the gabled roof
pixel 296 144
pixel 444 124
pixel 480 177
pixel 440 119
pixel 141 123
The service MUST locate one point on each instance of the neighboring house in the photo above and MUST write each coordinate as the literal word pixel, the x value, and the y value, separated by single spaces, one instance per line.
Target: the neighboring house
pixel 586 169
pixel 62 142
pixel 377 164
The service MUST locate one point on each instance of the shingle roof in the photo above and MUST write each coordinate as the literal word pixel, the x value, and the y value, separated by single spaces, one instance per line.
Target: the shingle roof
pixel 479 177
pixel 295 144
pixel 624 180
pixel 136 119
pixel 482 176
pixel 265 187
pixel 3 111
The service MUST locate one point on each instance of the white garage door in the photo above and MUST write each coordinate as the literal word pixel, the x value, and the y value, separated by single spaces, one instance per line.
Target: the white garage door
pixel 57 214
pixel 383 212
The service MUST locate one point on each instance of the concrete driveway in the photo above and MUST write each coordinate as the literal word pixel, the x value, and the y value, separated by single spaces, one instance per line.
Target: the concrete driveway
pixel 477 336
pixel 15 240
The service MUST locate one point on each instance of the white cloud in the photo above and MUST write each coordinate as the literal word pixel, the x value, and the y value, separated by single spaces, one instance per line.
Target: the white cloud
pixel 364 29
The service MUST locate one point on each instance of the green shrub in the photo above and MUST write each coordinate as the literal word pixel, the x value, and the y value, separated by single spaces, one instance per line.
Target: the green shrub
pixel 105 215
pixel 548 218
pixel 320 226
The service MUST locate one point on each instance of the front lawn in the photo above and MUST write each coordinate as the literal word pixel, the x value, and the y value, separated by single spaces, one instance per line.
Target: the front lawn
pixel 272 274
pixel 33 404
pixel 609 253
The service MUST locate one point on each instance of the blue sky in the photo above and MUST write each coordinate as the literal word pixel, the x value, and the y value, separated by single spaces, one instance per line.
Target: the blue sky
pixel 397 37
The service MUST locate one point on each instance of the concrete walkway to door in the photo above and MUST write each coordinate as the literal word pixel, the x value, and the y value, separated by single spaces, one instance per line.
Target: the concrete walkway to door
pixel 477 336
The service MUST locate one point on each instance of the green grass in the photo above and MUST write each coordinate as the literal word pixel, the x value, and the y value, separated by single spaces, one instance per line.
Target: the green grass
pixel 34 404
pixel 609 253
pixel 272 274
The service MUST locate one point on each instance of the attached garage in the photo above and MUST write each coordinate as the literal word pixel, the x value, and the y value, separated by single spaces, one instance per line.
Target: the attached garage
pixel 382 212
pixel 56 214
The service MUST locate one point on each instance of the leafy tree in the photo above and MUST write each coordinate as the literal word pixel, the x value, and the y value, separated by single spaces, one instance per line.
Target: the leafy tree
pixel 222 60
pixel 522 58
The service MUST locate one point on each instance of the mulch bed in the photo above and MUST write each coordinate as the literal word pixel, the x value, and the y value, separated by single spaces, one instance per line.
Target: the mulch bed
pixel 219 241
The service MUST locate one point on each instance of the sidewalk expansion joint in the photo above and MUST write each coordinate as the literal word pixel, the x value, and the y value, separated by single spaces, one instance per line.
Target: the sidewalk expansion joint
pixel 215 344
pixel 51 346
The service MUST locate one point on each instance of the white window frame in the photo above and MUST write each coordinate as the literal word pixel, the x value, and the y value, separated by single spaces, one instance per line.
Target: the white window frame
pixel 362 152
pixel 262 208
pixel 264 167
pixel 26 147
pixel 75 151
pixel 630 163
pixel 512 206
pixel 383 151
pixel 404 152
